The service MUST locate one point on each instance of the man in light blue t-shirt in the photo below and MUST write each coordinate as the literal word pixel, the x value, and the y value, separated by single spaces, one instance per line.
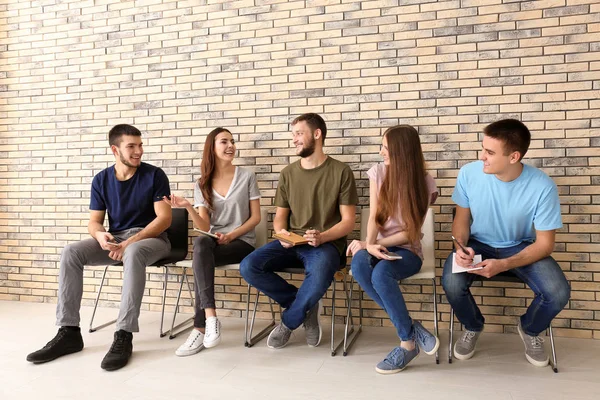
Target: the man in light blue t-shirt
pixel 508 212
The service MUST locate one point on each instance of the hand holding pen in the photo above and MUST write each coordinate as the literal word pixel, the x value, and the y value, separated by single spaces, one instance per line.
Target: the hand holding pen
pixel 464 256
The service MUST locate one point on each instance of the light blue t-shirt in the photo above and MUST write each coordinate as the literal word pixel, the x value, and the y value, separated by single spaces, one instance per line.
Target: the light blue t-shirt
pixel 507 213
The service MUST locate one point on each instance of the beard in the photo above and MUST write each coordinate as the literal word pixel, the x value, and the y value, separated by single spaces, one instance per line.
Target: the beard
pixel 125 162
pixel 308 149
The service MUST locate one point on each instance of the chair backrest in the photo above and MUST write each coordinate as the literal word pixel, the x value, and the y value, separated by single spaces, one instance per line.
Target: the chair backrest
pixel 261 228
pixel 427 242
pixel 178 233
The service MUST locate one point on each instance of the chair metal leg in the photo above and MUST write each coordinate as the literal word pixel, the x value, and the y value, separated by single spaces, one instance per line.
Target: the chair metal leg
pixel 173 327
pixel 333 347
pixel 349 320
pixel 554 361
pixel 435 320
pixel 249 339
pixel 164 299
pixel 451 335
pixel 92 329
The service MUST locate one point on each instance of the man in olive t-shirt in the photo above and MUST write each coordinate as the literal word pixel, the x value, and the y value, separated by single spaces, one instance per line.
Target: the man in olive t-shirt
pixel 316 198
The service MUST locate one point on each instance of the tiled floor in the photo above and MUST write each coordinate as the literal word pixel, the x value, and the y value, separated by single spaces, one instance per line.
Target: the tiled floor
pixel 230 371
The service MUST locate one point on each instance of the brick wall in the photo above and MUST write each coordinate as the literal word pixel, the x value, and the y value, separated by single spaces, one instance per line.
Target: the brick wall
pixel 69 70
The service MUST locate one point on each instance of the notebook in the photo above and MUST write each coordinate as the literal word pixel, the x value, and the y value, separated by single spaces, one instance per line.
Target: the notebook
pixel 212 235
pixel 293 239
pixel 457 269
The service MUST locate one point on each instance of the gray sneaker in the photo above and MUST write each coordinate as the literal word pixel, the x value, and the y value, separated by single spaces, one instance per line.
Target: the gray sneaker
pixel 534 348
pixel 464 348
pixel 279 337
pixel 312 326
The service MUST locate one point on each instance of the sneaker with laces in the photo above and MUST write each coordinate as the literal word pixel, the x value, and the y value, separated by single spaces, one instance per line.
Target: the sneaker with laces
pixel 68 340
pixel 397 360
pixel 424 339
pixel 464 348
pixel 534 348
pixel 212 335
pixel 312 326
pixel 279 337
pixel 120 351
pixel 192 345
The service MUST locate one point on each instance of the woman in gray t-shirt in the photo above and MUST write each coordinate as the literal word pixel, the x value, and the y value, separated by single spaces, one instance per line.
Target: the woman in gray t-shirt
pixel 227 209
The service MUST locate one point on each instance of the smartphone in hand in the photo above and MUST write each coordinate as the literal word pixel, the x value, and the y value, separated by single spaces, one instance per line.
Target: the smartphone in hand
pixel 393 256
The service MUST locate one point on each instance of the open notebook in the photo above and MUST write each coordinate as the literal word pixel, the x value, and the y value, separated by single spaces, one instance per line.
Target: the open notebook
pixel 457 269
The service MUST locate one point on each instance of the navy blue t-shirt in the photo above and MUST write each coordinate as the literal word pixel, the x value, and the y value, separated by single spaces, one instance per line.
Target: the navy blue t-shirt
pixel 130 203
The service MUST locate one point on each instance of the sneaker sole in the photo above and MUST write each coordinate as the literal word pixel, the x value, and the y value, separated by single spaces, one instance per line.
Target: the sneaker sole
pixel 54 358
pixel 462 357
pixel 114 368
pixel 318 323
pixel 435 348
pixel 189 352
pixel 531 360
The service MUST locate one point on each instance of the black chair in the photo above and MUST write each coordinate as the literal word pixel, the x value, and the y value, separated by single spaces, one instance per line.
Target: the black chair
pixel 502 277
pixel 340 275
pixel 178 236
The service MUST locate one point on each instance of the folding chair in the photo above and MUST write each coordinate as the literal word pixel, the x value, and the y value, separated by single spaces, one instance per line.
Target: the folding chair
pixel 261 239
pixel 427 272
pixel 340 275
pixel 178 236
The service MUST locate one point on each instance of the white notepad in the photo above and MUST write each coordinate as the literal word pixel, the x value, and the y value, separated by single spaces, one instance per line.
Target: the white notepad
pixel 457 269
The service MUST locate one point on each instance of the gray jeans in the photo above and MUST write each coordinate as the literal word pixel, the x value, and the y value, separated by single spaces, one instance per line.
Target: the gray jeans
pixel 88 252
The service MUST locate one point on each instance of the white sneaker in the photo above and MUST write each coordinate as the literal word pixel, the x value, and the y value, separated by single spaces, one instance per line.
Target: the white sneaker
pixel 192 345
pixel 212 336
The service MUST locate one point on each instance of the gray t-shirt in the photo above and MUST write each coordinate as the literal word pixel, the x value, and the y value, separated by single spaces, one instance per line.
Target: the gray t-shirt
pixel 231 211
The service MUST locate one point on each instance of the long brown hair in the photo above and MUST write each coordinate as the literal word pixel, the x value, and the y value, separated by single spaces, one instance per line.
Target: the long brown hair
pixel 404 189
pixel 207 166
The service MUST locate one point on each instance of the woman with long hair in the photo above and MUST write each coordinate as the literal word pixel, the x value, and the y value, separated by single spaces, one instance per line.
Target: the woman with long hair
pixel 400 193
pixel 227 201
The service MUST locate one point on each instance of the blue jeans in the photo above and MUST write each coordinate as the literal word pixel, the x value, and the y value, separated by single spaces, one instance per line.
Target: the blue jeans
pixel 379 279
pixel 320 265
pixel 544 277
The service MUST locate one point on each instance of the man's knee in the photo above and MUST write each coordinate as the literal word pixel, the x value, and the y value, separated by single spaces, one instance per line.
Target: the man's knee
pixel 453 284
pixel 247 269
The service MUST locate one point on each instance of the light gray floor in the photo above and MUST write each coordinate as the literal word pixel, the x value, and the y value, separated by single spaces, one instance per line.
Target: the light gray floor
pixel 230 371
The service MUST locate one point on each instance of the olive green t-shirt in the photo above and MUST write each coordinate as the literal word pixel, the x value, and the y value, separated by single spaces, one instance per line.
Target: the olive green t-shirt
pixel 314 196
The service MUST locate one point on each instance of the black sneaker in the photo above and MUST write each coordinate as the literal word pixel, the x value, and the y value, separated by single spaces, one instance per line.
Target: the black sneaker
pixel 68 340
pixel 120 351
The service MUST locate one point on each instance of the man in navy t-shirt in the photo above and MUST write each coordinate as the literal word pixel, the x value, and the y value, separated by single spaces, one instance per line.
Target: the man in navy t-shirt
pixel 131 192
pixel 508 213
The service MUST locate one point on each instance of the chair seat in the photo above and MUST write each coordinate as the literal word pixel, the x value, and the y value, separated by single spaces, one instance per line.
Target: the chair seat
pixel 174 256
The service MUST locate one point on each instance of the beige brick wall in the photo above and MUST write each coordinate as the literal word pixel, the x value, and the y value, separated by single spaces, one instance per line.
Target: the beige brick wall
pixel 71 69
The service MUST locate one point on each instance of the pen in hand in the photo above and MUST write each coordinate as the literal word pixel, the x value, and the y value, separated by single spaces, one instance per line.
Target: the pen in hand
pixel 461 247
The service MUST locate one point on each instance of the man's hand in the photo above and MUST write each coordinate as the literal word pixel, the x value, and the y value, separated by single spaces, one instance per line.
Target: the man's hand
pixel 378 251
pixel 465 259
pixel 491 267
pixel 116 252
pixel 224 238
pixel 106 240
pixel 355 247
pixel 314 237
pixel 285 245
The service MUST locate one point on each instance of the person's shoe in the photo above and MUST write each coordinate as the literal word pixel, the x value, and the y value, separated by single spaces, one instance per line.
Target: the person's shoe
pixel 212 335
pixel 312 326
pixel 68 340
pixel 397 360
pixel 192 345
pixel 120 351
pixel 534 348
pixel 464 348
pixel 424 339
pixel 279 337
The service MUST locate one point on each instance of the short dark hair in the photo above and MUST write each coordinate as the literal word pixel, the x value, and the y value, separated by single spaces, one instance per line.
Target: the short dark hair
pixel 115 134
pixel 314 121
pixel 513 133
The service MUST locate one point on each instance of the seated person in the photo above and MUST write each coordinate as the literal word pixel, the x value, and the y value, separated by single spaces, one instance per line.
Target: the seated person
pixel 131 192
pixel 401 191
pixel 228 203
pixel 508 212
pixel 316 197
